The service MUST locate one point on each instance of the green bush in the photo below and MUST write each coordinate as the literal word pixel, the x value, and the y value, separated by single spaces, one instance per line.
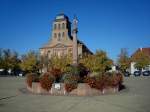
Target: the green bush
pixel 79 71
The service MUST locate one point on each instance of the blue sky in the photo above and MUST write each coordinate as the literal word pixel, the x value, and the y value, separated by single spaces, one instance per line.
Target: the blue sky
pixel 103 24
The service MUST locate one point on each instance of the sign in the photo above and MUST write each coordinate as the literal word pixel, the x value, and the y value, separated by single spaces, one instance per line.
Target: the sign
pixel 57 86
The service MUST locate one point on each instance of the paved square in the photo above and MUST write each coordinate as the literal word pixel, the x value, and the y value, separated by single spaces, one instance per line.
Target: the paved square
pixel 135 98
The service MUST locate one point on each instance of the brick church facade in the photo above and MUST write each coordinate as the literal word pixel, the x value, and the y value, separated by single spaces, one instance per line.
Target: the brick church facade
pixel 61 42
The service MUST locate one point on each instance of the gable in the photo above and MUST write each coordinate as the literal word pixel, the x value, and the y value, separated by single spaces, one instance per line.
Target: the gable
pixel 59 45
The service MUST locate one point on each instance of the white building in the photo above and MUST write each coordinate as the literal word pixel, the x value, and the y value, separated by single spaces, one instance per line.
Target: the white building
pixel 146 51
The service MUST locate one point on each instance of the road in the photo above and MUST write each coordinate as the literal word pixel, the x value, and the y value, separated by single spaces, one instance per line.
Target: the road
pixel 135 98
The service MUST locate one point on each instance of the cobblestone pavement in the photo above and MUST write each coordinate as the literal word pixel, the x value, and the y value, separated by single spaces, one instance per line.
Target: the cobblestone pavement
pixel 135 98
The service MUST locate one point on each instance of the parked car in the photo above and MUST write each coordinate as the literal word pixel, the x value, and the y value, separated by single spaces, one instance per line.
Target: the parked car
pixel 4 72
pixel 137 73
pixel 1 71
pixel 146 73
pixel 126 74
pixel 18 73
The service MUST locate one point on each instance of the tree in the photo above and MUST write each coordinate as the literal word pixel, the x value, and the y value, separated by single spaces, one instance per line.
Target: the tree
pixel 142 60
pixel 99 62
pixel 1 58
pixel 43 62
pixel 29 62
pixel 9 59
pixel 59 62
pixel 124 60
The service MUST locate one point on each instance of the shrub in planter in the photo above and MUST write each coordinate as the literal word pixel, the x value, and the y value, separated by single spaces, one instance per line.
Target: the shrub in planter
pixel 96 81
pixel 56 72
pixel 31 77
pixel 114 79
pixel 82 70
pixel 120 77
pixel 46 81
pixel 105 80
pixel 71 82
pixel 102 82
pixel 79 71
pixel 109 79
pixel 91 81
pixel 70 86
pixel 74 70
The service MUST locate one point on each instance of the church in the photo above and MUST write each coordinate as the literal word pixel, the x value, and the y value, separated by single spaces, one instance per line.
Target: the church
pixel 61 40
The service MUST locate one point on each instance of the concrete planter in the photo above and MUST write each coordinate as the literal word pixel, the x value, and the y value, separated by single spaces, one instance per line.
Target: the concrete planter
pixel 83 89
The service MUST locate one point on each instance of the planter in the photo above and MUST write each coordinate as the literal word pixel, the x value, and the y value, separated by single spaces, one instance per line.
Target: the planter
pixel 83 89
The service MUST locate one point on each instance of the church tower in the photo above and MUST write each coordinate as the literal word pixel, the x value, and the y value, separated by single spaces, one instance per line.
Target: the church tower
pixel 62 42
pixel 61 31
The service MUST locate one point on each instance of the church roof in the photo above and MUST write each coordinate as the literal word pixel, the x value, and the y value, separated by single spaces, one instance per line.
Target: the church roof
pixel 61 16
pixel 80 42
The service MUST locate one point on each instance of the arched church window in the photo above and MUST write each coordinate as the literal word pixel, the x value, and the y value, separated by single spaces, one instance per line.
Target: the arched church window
pixel 59 36
pixel 63 34
pixel 48 54
pixel 55 26
pixel 59 26
pixel 55 35
pixel 63 26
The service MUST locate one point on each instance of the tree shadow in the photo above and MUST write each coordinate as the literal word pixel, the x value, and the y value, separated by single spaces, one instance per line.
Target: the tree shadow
pixel 121 87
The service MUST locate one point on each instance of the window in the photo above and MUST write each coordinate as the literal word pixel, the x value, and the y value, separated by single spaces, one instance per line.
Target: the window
pixel 59 36
pixel 55 26
pixel 55 35
pixel 59 26
pixel 63 26
pixel 63 34
pixel 48 54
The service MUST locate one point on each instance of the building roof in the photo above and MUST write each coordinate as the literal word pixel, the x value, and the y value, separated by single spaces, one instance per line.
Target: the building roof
pixel 144 50
pixel 61 16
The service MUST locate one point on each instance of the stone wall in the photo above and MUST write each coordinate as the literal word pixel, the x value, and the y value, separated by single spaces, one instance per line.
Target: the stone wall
pixel 83 89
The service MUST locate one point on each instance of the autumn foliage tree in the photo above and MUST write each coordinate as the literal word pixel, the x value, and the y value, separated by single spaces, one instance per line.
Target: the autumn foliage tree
pixel 142 60
pixel 124 60
pixel 9 59
pixel 99 62
pixel 59 62
pixel 29 62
